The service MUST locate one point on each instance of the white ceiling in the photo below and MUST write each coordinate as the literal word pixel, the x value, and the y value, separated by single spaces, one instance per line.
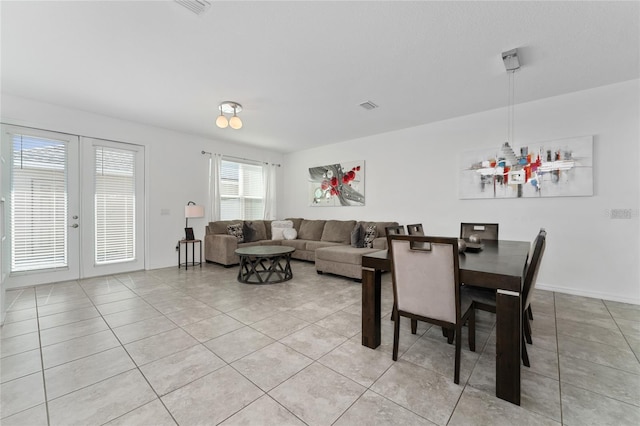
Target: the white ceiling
pixel 301 68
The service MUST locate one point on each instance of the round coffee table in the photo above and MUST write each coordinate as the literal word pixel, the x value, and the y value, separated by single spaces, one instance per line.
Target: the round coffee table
pixel 265 264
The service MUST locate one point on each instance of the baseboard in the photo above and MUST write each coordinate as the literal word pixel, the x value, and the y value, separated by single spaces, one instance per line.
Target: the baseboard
pixel 592 294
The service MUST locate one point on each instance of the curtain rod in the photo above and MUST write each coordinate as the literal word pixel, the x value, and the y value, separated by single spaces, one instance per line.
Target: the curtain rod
pixel 241 158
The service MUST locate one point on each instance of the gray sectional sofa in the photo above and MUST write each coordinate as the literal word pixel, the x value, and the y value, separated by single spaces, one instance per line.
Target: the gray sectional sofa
pixel 328 243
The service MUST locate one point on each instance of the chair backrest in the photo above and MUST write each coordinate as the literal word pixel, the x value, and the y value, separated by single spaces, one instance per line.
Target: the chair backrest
pixel 415 229
pixel 426 276
pixel 531 274
pixel 395 230
pixel 486 231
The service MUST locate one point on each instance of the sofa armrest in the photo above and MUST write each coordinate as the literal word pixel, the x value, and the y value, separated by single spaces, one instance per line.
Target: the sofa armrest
pixel 220 248
pixel 380 243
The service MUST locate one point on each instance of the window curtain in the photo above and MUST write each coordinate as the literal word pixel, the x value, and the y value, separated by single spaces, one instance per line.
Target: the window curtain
pixel 269 175
pixel 213 203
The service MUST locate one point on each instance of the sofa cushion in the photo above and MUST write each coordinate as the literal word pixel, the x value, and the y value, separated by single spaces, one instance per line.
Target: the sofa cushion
pixel 380 243
pixel 289 233
pixel 251 244
pixel 267 228
pixel 343 254
pixel 356 236
pixel 296 222
pixel 296 244
pixel 314 245
pixel 370 234
pixel 338 231
pixel 249 232
pixel 311 230
pixel 278 227
pixel 254 230
pixel 237 231
pixel 381 227
pixel 220 226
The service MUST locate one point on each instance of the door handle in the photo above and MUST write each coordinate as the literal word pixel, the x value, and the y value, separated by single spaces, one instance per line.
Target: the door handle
pixel 75 225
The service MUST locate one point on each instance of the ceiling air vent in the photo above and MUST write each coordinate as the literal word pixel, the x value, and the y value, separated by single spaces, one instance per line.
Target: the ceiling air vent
pixel 196 6
pixel 368 105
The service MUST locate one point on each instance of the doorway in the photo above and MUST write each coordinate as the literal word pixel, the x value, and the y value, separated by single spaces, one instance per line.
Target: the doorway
pixel 75 206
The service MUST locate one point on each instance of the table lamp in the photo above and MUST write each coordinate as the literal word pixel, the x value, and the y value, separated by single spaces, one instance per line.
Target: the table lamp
pixel 191 210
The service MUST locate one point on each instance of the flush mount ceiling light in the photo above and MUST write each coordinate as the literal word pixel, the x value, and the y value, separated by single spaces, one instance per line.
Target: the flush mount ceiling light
pixel 229 107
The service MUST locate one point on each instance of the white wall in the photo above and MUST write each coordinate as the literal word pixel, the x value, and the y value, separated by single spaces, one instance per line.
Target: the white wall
pixel 176 171
pixel 412 176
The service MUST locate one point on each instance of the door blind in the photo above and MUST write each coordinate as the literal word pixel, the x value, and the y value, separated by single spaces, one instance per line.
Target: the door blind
pixel 38 203
pixel 115 200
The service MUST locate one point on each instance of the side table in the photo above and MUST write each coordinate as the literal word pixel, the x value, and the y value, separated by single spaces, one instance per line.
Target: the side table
pixel 186 253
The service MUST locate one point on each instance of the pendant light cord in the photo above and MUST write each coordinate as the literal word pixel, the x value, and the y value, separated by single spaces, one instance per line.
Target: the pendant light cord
pixel 511 98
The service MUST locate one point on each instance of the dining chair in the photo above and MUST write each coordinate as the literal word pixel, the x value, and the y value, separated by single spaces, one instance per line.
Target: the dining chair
pixel 486 231
pixel 395 230
pixel 486 301
pixel 426 287
pixel 415 229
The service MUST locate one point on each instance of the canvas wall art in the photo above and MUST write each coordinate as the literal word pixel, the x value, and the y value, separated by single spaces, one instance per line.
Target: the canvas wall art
pixel 339 184
pixel 560 168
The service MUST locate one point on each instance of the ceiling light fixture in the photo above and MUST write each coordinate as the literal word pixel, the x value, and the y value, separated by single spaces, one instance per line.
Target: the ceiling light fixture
pixel 229 107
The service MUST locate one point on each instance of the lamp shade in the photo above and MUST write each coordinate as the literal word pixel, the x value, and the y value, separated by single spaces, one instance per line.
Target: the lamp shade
pixel 235 122
pixel 193 211
pixel 221 121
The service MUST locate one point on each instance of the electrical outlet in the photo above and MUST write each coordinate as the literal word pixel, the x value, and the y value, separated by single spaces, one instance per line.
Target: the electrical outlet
pixel 621 213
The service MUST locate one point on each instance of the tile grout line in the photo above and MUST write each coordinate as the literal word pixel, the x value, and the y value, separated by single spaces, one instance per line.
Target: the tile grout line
pixel 44 380
pixel 555 316
pixel 624 336
pixel 136 367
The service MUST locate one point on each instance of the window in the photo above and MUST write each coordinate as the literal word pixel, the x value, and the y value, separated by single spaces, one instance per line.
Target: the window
pixel 38 203
pixel 115 202
pixel 241 191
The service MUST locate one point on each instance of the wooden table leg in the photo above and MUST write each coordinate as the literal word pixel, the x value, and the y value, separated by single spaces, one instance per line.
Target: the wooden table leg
pixel 508 345
pixel 371 300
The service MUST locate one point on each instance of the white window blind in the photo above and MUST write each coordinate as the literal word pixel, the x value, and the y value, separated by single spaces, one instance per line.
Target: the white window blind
pixel 115 200
pixel 241 191
pixel 38 203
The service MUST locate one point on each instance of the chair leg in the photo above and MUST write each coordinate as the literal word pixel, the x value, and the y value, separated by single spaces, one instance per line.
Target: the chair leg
pixel 450 335
pixel 530 311
pixel 393 311
pixel 414 326
pixel 526 328
pixel 445 332
pixel 472 330
pixel 458 332
pixel 396 333
pixel 525 355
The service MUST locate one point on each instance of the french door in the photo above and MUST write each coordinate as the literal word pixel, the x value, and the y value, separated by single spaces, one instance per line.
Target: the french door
pixel 75 206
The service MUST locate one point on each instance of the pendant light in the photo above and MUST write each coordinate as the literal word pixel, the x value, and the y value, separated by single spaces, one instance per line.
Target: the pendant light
pixel 235 121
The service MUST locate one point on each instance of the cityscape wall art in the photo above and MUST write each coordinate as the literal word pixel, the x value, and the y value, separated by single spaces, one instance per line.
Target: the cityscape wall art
pixel 559 168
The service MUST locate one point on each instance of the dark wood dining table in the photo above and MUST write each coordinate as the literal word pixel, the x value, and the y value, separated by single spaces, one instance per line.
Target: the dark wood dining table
pixel 500 265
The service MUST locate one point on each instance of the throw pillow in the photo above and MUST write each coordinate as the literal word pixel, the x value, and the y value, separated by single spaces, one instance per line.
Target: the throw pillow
pixel 356 241
pixel 278 227
pixel 249 232
pixel 370 235
pixel 289 233
pixel 236 231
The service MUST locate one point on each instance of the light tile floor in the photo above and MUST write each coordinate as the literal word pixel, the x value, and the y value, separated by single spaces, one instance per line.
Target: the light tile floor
pixel 196 347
